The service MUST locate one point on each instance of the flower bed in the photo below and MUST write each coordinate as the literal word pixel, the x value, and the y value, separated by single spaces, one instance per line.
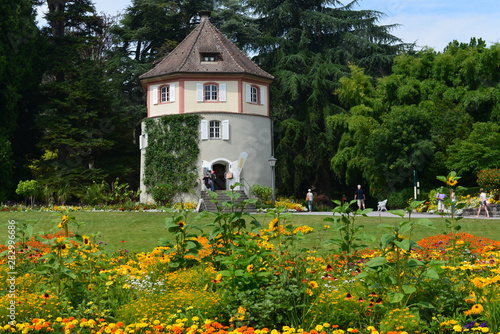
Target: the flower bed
pixel 242 278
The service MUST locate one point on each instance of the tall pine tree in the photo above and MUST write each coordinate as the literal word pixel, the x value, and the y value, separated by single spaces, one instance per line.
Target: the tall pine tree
pixel 80 130
pixel 19 77
pixel 307 46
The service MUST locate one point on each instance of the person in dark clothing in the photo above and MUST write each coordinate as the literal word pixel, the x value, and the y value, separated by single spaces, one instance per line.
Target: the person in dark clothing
pixel 360 197
pixel 207 180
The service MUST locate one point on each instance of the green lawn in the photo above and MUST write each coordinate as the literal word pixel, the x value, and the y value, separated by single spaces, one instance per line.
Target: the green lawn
pixel 140 231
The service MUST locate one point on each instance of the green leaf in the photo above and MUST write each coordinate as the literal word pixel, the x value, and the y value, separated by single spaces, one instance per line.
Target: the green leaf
pixel 400 213
pixel 442 178
pixel 425 305
pixel 405 227
pixel 412 263
pixel 386 239
pixel 376 262
pixel 405 244
pixel 425 222
pixel 431 274
pixel 408 289
pixel 395 297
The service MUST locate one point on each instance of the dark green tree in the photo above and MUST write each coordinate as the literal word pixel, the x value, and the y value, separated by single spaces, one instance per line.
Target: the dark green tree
pixel 480 150
pixel 150 29
pixel 232 18
pixel 19 76
pixel 80 129
pixel 420 118
pixel 307 46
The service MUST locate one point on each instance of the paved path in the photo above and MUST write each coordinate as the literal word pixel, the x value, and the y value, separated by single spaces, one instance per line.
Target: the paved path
pixel 387 214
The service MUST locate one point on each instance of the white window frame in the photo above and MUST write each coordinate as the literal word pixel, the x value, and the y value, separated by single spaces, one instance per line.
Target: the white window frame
pixel 254 94
pixel 214 129
pixel 165 94
pixel 211 92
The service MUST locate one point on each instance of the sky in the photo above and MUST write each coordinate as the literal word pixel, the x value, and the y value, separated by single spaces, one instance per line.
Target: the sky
pixel 431 23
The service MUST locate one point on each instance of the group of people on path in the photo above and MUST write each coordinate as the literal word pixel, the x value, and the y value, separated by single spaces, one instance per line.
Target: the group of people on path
pixel 359 196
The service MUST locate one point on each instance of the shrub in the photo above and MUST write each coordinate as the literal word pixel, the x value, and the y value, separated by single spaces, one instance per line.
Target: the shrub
pixel 489 179
pixel 399 199
pixel 263 193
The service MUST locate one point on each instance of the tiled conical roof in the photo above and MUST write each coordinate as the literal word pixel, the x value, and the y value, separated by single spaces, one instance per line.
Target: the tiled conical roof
pixel 205 39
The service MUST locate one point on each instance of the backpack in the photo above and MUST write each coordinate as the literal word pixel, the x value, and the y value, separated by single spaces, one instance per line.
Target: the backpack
pixel 209 182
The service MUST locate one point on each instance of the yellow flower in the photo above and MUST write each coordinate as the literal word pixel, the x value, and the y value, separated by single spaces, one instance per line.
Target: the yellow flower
pixel 250 267
pixel 273 223
pixel 451 181
pixel 457 328
pixel 313 284
pixel 477 309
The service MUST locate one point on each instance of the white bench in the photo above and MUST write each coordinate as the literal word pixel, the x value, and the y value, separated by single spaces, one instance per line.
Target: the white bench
pixel 381 205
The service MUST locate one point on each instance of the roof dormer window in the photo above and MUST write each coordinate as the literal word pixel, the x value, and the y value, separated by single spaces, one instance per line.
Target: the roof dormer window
pixel 211 57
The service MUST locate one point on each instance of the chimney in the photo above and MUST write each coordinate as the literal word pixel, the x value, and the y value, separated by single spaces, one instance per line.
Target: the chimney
pixel 204 14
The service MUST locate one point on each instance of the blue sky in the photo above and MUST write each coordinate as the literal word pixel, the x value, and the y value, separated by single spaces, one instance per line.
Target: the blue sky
pixel 435 23
pixel 432 23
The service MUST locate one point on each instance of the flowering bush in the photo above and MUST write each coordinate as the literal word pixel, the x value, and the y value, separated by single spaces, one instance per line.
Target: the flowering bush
pixel 489 179
pixel 289 204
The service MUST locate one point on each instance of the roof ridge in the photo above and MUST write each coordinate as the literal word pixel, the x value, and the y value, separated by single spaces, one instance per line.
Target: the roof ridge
pixel 199 27
pixel 218 35
pixel 167 57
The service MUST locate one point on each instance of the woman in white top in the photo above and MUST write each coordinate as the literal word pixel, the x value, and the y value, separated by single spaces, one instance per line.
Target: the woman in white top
pixel 483 199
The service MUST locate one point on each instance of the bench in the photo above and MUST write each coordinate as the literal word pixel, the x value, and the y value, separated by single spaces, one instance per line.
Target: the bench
pixel 381 205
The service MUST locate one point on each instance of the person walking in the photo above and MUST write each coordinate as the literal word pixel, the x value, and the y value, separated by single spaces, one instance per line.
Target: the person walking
pixel 359 196
pixel 453 201
pixel 309 199
pixel 484 202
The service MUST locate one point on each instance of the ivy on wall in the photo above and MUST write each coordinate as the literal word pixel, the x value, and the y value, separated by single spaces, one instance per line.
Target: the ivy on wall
pixel 171 155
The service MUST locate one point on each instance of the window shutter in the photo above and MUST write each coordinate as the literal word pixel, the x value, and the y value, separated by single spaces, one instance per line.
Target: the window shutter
pixel 249 93
pixel 225 130
pixel 145 144
pixel 172 92
pixel 140 142
pixel 155 95
pixel 222 92
pixel 204 129
pixel 199 92
pixel 262 95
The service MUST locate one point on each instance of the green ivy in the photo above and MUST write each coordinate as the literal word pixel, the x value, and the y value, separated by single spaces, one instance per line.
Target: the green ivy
pixel 171 155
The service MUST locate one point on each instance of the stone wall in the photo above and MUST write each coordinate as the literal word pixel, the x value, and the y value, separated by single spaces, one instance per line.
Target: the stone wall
pixel 493 209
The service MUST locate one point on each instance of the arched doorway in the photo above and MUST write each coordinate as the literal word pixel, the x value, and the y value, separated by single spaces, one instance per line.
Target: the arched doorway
pixel 220 169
